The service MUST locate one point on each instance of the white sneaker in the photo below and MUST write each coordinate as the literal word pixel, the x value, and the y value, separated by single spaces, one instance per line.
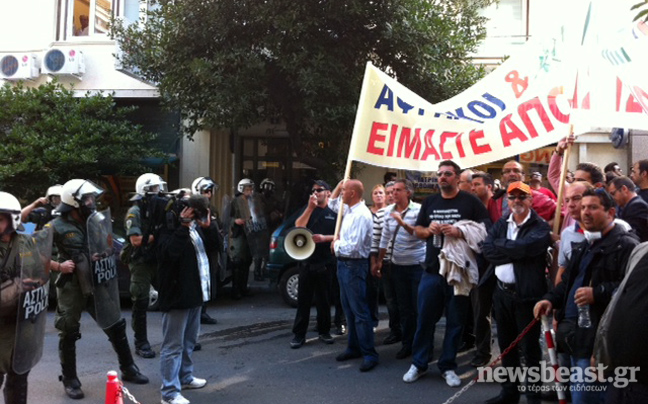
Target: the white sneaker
pixel 451 378
pixel 176 400
pixel 413 374
pixel 196 383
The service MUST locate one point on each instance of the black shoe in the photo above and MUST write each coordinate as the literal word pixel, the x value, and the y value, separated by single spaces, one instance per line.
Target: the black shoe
pixel 207 319
pixel 404 353
pixel 345 356
pixel 145 351
pixel 73 388
pixel 504 398
pixel 132 374
pixel 479 361
pixel 297 342
pixel 367 365
pixel 392 339
pixel 197 346
pixel 326 338
pixel 340 330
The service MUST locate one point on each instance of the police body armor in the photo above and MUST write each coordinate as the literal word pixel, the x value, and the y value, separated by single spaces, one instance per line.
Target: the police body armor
pixel 225 269
pixel 35 256
pixel 103 269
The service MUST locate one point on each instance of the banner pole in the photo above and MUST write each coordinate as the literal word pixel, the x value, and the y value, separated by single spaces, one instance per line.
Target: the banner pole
pixel 338 222
pixel 561 184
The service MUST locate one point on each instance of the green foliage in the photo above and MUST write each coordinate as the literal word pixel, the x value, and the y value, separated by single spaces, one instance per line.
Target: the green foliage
pixel 643 13
pixel 231 64
pixel 48 136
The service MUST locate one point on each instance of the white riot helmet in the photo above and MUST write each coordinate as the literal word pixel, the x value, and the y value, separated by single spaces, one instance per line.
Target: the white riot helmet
pixel 267 185
pixel 245 182
pixel 10 205
pixel 147 182
pixel 54 190
pixel 203 184
pixel 79 194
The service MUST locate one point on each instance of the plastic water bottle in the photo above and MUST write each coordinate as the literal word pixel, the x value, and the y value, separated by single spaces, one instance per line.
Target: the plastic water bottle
pixel 437 240
pixel 584 319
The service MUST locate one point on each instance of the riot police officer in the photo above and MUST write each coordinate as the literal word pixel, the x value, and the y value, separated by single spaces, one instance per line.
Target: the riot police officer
pixel 241 229
pixel 79 288
pixel 43 209
pixel 139 253
pixel 23 301
pixel 207 187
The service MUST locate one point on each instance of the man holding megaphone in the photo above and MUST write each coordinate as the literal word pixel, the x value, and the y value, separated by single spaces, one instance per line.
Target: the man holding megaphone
pixel 315 269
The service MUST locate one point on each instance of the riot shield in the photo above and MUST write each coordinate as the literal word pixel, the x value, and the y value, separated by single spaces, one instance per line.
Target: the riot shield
pixel 35 257
pixel 103 267
pixel 258 234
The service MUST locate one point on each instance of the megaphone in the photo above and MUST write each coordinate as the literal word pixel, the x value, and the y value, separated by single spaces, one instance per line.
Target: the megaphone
pixel 299 244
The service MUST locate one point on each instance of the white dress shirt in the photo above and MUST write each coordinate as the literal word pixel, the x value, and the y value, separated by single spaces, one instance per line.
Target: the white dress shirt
pixel 355 232
pixel 505 272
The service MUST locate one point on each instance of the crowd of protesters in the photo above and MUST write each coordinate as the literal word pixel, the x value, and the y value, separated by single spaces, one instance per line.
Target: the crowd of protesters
pixel 478 250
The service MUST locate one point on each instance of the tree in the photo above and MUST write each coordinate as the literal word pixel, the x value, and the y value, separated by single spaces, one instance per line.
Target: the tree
pixel 231 64
pixel 48 136
pixel 643 10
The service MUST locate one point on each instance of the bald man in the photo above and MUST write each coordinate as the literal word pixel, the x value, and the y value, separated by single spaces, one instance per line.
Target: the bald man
pixel 352 250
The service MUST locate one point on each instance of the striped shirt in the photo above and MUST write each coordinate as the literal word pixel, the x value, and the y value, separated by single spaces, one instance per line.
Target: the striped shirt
pixel 377 233
pixel 408 249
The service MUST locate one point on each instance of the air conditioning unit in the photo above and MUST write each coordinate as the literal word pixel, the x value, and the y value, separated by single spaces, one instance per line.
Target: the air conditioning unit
pixel 63 61
pixel 19 66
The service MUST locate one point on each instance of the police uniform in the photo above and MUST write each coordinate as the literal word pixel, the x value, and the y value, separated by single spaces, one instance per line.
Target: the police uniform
pixel 15 389
pixel 142 268
pixel 239 248
pixel 70 238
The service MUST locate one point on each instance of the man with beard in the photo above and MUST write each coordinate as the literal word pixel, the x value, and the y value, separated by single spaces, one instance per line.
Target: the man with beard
pixel 592 275
pixel 436 221
pixel 639 175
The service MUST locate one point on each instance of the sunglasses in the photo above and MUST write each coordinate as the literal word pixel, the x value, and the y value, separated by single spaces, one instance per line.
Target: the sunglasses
pixel 445 174
pixel 318 190
pixel 518 197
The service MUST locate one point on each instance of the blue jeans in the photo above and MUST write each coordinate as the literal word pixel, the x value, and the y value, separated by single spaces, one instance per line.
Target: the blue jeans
pixel 406 280
pixel 180 330
pixel 434 297
pixel 577 389
pixel 352 276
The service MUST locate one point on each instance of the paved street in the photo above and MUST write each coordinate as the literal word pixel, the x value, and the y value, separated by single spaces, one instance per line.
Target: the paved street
pixel 246 359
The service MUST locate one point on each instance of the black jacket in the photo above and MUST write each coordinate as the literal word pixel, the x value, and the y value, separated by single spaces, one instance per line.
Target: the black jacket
pixel 527 254
pixel 636 214
pixel 179 286
pixel 604 273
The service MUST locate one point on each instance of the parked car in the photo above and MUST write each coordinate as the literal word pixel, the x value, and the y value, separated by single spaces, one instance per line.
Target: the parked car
pixel 283 270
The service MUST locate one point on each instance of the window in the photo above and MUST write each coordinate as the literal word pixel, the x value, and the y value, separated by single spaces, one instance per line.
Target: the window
pixel 89 17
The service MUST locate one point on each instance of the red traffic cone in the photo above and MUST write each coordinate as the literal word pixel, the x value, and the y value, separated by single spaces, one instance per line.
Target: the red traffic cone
pixel 113 389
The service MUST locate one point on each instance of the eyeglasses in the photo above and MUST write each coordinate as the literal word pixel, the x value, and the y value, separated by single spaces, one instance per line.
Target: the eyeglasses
pixel 512 170
pixel 519 197
pixel 613 192
pixel 445 174
pixel 318 190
